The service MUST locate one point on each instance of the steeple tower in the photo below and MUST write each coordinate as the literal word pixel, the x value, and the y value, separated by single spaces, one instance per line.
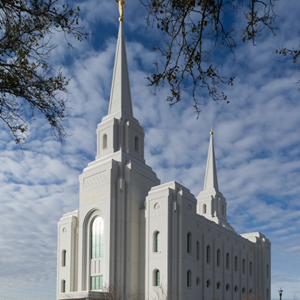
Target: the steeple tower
pixel 119 130
pixel 210 202
pixel 120 96
pixel 211 179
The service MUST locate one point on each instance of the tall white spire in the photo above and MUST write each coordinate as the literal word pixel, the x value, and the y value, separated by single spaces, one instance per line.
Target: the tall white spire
pixel 120 96
pixel 211 180
pixel 210 202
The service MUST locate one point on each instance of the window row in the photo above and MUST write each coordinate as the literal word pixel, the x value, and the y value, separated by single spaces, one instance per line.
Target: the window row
pixel 156 282
pixel 104 142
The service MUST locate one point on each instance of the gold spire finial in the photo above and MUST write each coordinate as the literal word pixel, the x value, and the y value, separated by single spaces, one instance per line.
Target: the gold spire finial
pixel 121 4
pixel 211 132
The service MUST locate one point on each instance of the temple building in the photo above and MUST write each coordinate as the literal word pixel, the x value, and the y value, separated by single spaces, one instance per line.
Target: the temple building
pixel 136 236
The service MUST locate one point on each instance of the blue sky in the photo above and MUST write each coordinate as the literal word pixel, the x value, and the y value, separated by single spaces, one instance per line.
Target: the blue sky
pixel 257 146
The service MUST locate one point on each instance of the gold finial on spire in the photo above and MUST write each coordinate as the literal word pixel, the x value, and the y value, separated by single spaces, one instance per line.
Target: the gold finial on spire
pixel 211 132
pixel 121 4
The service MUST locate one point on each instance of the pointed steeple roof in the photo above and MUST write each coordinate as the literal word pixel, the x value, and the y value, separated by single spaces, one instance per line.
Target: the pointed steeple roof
pixel 120 96
pixel 211 180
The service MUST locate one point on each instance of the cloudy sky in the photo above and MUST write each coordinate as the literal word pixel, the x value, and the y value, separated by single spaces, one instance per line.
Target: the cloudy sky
pixel 257 145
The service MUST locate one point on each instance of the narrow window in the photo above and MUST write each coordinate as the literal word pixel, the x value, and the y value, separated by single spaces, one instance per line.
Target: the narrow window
pixel 227 260
pixel 218 285
pixel 157 241
pixel 235 263
pixel 250 292
pixel 104 141
pixel 64 258
pixel 97 282
pixel 198 250
pixel 208 283
pixel 97 237
pixel 136 143
pixel 250 268
pixel 267 271
pixel 227 287
pixel 267 294
pixel 189 278
pixel 204 208
pixel 156 281
pixel 198 281
pixel 236 288
pixel 208 254
pixel 243 290
pixel 63 286
pixel 243 266
pixel 189 243
pixel 218 258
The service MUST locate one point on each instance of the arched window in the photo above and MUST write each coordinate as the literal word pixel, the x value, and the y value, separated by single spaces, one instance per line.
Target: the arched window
pixel 204 208
pixel 235 263
pixel 136 143
pixel 227 260
pixel 218 258
pixel 197 280
pixel 208 254
pixel 63 286
pixel 267 271
pixel 243 266
pixel 227 287
pixel 208 283
pixel 236 288
pixel 189 278
pixel 218 285
pixel 97 237
pixel 104 141
pixel 157 241
pixel 250 268
pixel 189 243
pixel 198 250
pixel 267 298
pixel 243 290
pixel 64 258
pixel 156 278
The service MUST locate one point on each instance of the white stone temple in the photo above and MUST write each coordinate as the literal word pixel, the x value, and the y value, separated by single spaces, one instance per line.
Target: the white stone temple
pixel 139 237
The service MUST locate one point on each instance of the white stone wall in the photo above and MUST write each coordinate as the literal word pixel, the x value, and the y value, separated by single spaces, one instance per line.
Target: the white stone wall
pixel 171 210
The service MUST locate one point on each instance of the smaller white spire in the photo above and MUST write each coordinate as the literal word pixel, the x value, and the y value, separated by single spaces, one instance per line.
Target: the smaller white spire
pixel 211 179
pixel 120 96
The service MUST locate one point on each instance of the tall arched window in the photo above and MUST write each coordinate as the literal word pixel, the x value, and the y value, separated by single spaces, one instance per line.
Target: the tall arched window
pixel 227 260
pixel 208 254
pixel 235 263
pixel 136 143
pixel 267 271
pixel 250 268
pixel 64 258
pixel 218 258
pixel 156 241
pixel 204 208
pixel 156 278
pixel 63 286
pixel 189 278
pixel 104 141
pixel 189 243
pixel 243 266
pixel 198 250
pixel 97 237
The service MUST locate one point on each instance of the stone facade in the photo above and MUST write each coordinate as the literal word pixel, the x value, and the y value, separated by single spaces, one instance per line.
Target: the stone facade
pixel 139 236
